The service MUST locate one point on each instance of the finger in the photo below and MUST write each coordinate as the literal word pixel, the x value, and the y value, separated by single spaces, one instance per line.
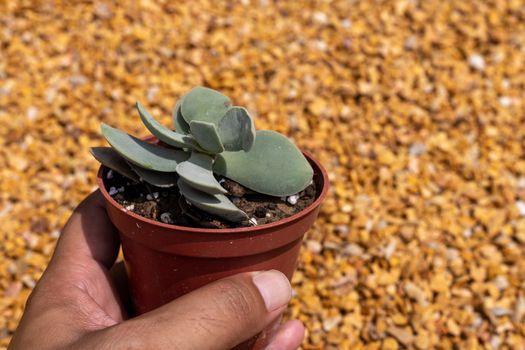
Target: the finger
pixel 120 279
pixel 289 337
pixel 217 316
pixel 89 234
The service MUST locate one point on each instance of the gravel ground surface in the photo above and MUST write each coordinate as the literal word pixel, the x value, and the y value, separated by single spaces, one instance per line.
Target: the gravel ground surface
pixel 415 107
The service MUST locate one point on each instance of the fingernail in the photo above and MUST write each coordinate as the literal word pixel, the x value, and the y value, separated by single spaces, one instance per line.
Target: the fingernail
pixel 274 287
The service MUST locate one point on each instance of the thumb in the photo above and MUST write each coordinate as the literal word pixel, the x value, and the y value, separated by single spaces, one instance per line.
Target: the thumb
pixel 215 317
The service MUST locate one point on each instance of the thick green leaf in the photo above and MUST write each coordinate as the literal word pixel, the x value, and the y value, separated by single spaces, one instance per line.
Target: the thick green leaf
pixel 237 130
pixel 197 172
pixel 217 204
pixel 274 166
pixel 110 158
pixel 207 136
pixel 178 121
pixel 142 153
pixel 163 133
pixel 204 104
pixel 155 178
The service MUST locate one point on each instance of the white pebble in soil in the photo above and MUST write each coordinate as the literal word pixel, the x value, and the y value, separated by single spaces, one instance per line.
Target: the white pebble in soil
pixel 149 197
pixel 109 175
pixel 112 191
pixel 166 218
pixel 293 199
pixel 130 207
pixel 253 221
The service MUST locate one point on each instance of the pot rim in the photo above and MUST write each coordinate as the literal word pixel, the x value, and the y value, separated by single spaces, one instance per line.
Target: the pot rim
pixel 251 229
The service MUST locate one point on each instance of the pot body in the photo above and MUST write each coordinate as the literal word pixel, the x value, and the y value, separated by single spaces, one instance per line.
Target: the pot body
pixel 164 262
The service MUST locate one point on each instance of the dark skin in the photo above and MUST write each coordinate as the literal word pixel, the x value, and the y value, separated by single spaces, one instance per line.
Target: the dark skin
pixel 76 303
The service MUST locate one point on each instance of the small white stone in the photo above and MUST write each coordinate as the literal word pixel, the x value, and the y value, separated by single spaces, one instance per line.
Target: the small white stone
pixel 152 92
pixel 495 342
pixel 268 215
pixel 369 225
pixel 109 175
pixel 390 249
pixel 417 149
pixel 320 17
pixel 477 62
pixel 521 207
pixel 410 42
pixel 505 101
pixel 28 281
pixel 76 80
pixel 253 221
pixel 32 113
pixel 331 323
pixel 500 311
pixel 501 282
pixel 452 254
pixel 155 195
pixel 353 250
pixel 342 229
pixel 149 197
pixel 55 234
pixel 165 218
pixel 112 191
pixel 130 207
pixel 347 208
pixel 346 23
pixel 321 45
pixel 314 246
pixel 102 10
pixel 293 199
pixel 519 309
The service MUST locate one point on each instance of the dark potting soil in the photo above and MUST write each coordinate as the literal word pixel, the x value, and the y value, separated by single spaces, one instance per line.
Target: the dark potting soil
pixel 168 206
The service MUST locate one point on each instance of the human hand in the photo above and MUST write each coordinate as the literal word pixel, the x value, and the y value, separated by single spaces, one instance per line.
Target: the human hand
pixel 76 303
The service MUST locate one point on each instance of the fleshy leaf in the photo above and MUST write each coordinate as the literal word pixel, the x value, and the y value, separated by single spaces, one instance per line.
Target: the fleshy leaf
pixel 237 130
pixel 204 104
pixel 110 158
pixel 217 204
pixel 274 166
pixel 197 172
pixel 178 121
pixel 142 153
pixel 155 178
pixel 207 136
pixel 163 133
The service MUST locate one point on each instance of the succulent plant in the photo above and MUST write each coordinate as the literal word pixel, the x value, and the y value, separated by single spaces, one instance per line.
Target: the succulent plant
pixel 211 138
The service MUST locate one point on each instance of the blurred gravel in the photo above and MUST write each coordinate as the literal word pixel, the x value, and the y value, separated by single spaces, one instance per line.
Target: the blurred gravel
pixel 415 107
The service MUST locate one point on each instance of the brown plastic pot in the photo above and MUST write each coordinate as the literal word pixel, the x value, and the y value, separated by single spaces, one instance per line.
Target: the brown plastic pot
pixel 164 262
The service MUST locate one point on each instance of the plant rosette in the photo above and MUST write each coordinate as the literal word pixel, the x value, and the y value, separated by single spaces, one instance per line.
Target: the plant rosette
pixel 212 140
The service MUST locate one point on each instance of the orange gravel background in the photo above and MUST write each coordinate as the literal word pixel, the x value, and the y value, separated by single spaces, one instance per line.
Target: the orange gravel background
pixel 415 107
